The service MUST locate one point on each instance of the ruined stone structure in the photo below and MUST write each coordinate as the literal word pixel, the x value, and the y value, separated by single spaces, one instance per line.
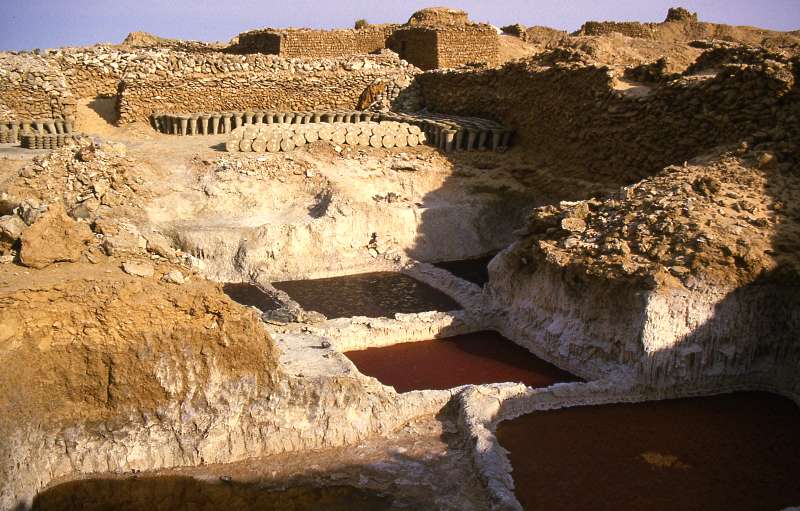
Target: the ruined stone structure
pixel 432 38
pixel 309 43
pixel 444 38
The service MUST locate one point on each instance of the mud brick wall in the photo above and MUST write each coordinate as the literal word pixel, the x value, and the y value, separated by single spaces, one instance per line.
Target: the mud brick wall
pixel 291 89
pixel 430 47
pixel 416 45
pixel 568 116
pixel 315 43
pixel 468 44
pixel 627 28
pixel 30 87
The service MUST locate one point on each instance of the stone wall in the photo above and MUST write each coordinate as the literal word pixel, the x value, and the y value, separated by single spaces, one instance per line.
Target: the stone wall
pixel 627 28
pixel 416 45
pixel 429 47
pixel 467 45
pixel 31 87
pixel 315 43
pixel 288 85
pixel 569 115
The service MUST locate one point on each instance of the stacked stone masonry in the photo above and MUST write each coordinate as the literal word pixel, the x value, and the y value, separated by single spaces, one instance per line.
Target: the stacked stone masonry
pixel 308 43
pixel 294 85
pixel 431 47
pixel 607 132
pixel 626 28
pixel 32 86
pixel 50 84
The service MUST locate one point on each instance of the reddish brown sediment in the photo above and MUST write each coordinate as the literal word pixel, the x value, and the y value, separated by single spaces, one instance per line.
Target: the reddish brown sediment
pixel 481 357
pixel 736 451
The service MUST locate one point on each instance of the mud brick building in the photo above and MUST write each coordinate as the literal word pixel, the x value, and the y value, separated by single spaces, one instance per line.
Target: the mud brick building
pixel 432 38
pixel 310 43
pixel 442 38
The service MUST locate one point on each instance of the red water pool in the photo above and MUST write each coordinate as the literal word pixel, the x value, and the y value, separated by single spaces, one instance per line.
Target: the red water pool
pixel 482 357
pixel 732 452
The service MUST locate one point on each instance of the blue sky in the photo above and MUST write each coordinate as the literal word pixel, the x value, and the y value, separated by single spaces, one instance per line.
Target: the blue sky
pixel 26 24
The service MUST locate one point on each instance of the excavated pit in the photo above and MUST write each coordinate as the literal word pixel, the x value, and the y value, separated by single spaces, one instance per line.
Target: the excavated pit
pixel 376 294
pixel 476 358
pixel 472 270
pixel 735 451
pixel 177 493
pixel 251 296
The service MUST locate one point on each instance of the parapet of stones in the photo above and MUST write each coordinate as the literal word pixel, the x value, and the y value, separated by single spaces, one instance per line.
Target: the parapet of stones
pixel 680 14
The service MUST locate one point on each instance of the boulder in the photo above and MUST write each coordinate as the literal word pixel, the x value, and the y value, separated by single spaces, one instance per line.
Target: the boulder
pixel 11 227
pixel 138 269
pixel 54 237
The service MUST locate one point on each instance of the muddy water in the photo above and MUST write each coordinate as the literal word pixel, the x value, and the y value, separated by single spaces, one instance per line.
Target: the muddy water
pixel 188 494
pixel 379 294
pixel 733 452
pixel 482 357
pixel 472 270
pixel 250 295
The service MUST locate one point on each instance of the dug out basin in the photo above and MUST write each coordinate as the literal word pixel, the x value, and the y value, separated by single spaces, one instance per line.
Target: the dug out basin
pixel 477 358
pixel 374 295
pixel 731 452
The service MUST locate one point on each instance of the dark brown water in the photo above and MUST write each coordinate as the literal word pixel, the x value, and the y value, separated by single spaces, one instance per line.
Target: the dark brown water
pixel 379 294
pixel 472 270
pixel 732 452
pixel 482 357
pixel 188 494
pixel 250 295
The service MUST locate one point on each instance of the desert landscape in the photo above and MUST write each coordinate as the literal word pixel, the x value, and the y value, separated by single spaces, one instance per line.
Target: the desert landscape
pixel 430 265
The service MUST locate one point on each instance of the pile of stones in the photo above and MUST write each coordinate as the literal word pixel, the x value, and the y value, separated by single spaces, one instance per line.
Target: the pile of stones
pixel 12 132
pixel 456 133
pixel 285 137
pixel 49 141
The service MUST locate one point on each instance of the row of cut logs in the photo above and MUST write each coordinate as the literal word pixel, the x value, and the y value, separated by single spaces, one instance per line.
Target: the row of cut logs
pixel 224 122
pixel 285 137
pixel 49 141
pixel 447 132
pixel 11 132
pixel 457 133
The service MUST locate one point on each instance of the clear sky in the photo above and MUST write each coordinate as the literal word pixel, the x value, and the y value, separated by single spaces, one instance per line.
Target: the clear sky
pixel 27 24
